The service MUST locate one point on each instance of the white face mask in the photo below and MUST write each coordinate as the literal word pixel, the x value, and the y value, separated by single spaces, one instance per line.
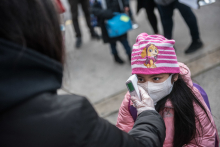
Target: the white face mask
pixel 157 91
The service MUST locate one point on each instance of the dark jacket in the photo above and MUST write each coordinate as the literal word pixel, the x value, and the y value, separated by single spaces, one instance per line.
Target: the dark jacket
pixel 103 15
pixel 33 115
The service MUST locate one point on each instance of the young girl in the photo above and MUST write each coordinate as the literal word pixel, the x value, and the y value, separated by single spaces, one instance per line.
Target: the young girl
pixel 187 118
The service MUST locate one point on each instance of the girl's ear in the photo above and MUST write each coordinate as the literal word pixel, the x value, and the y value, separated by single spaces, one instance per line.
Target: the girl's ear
pixel 175 78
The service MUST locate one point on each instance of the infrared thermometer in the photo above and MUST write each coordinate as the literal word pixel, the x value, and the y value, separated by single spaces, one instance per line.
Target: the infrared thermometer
pixel 132 86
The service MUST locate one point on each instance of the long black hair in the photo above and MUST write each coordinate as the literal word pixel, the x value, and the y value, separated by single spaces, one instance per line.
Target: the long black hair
pixel 182 99
pixel 33 24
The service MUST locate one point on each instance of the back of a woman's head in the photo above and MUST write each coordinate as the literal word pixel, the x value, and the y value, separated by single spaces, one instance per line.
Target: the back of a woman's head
pixel 33 24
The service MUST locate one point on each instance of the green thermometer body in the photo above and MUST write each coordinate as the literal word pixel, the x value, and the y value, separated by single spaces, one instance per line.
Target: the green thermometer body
pixel 132 87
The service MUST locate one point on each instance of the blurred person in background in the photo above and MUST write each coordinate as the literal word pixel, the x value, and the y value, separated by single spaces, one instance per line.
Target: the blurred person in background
pixel 104 10
pixel 130 14
pixel 31 67
pixel 149 6
pixel 74 10
pixel 166 12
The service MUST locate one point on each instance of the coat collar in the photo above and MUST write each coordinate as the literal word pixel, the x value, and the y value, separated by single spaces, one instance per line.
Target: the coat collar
pixel 25 73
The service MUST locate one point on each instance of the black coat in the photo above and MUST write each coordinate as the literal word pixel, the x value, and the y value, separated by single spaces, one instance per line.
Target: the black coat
pixel 112 6
pixel 33 115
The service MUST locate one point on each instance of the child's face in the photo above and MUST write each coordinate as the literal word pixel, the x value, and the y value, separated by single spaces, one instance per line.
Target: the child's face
pixel 155 78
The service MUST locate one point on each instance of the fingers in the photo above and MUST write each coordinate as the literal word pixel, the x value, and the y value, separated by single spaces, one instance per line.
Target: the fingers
pixel 148 102
pixel 143 93
pixel 136 101
pixel 146 99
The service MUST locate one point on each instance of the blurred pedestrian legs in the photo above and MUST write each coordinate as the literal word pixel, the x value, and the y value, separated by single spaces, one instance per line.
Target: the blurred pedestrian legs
pixel 74 10
pixel 149 6
pixel 105 10
pixel 124 42
pixel 166 13
pixel 130 14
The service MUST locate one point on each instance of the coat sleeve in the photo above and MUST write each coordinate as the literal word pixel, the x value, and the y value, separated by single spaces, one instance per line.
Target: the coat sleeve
pixel 100 13
pixel 149 130
pixel 151 134
pixel 125 121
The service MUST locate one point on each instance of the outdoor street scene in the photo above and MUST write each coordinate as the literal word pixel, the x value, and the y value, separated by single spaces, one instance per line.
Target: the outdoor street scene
pixel 110 73
pixel 91 71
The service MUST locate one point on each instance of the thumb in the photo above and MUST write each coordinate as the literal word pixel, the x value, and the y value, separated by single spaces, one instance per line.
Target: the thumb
pixel 134 99
pixel 146 99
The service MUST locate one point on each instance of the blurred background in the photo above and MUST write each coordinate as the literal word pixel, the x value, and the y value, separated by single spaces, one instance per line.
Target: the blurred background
pixel 91 72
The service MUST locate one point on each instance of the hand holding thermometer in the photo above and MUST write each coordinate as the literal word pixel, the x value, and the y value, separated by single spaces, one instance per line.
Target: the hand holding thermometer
pixel 132 86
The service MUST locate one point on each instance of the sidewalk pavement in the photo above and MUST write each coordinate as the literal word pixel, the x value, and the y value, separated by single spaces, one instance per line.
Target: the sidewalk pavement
pixel 90 71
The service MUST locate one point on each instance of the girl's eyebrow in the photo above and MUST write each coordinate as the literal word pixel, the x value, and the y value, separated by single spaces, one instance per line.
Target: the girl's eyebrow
pixel 139 76
pixel 155 75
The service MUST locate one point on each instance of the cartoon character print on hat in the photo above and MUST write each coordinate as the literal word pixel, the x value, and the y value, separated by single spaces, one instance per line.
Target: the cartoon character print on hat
pixel 150 52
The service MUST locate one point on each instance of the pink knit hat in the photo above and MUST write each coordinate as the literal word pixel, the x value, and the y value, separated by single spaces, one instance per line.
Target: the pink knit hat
pixel 153 54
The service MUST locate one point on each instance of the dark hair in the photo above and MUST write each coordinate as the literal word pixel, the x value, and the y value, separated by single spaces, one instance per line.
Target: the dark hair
pixel 33 24
pixel 182 98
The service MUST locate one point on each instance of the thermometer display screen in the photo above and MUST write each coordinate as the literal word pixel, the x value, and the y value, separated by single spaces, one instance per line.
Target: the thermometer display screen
pixel 130 87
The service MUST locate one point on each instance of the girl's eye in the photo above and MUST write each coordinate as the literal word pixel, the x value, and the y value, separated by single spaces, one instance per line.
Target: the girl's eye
pixel 150 50
pixel 140 80
pixel 156 79
pixel 155 51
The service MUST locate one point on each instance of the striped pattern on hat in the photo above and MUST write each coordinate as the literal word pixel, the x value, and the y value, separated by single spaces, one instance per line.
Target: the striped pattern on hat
pixel 153 54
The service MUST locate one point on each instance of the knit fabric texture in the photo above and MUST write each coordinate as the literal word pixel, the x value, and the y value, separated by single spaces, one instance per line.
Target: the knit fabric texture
pixel 153 54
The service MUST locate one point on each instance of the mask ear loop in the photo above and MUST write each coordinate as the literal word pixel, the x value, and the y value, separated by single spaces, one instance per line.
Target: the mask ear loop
pixel 172 77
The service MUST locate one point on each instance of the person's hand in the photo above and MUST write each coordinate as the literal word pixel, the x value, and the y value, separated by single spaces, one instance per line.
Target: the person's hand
pixel 147 102
pixel 126 9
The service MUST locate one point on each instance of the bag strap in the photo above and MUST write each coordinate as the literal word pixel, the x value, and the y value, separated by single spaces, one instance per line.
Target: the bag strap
pixel 205 97
pixel 203 93
pixel 132 110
